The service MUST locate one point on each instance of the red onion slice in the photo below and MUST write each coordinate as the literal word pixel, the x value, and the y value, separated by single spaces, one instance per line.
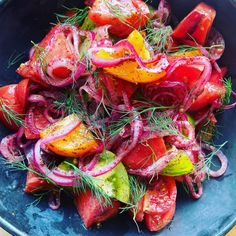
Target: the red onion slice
pixel 222 158
pixel 124 45
pixel 191 188
pixel 136 127
pixel 54 200
pixel 9 149
pixel 156 167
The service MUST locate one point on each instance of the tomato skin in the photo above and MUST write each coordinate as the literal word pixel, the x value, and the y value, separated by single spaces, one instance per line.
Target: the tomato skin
pixel 197 24
pixel 22 92
pixel 136 16
pixel 91 211
pixel 61 72
pixel 15 97
pixel 157 207
pixel 35 183
pixel 156 223
pixel 160 197
pixel 213 90
pixel 145 153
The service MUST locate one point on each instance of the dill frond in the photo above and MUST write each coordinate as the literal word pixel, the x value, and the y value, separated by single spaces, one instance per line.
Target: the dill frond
pixel 137 191
pixel 228 86
pixel 40 54
pixel 208 161
pixel 10 115
pixel 161 122
pixel 84 182
pixel 77 18
pixel 158 38
pixel 14 59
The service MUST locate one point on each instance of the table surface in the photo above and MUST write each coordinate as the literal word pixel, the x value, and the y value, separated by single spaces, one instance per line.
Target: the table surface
pixel 231 233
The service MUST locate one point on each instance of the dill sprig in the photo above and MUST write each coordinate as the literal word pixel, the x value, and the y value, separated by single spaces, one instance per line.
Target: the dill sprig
pixel 84 182
pixel 163 123
pixel 204 165
pixel 14 59
pixel 228 86
pixel 158 38
pixel 70 103
pixel 10 115
pixel 77 18
pixel 40 54
pixel 137 191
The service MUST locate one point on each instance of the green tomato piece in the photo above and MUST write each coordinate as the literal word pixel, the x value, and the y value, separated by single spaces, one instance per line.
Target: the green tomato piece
pixel 191 120
pixel 87 24
pixel 180 165
pixel 114 183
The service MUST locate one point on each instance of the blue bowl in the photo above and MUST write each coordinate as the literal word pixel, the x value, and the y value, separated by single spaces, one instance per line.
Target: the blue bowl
pixel 214 214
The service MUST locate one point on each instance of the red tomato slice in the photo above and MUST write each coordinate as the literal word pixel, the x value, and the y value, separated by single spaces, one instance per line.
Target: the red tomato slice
pixel 145 153
pixel 213 90
pixel 157 207
pixel 160 197
pixel 61 72
pixel 16 104
pixel 197 24
pixel 58 49
pixel 91 211
pixel 158 222
pixel 122 15
pixel 35 183
pixel 39 122
pixel 22 92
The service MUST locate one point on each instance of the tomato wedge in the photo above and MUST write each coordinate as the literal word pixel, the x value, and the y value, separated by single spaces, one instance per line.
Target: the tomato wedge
pixel 213 90
pixel 13 99
pixel 145 153
pixel 122 15
pixel 35 183
pixel 91 211
pixel 157 207
pixel 196 25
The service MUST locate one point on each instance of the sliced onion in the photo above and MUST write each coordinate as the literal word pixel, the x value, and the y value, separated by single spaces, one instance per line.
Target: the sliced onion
pixel 124 45
pixel 136 130
pixel 191 188
pixel 9 149
pixel 183 142
pixel 156 167
pixel 216 43
pixel 222 158
pixel 37 98
pixel 42 167
pixel 54 200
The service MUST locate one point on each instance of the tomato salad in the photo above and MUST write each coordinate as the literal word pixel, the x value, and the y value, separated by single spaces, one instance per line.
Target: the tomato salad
pixel 115 106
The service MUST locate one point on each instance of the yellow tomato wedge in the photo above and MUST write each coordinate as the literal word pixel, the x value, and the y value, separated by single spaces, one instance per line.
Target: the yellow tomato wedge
pixel 79 142
pixel 129 70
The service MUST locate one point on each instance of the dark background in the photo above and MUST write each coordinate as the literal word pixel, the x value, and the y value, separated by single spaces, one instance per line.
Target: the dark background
pixel 214 214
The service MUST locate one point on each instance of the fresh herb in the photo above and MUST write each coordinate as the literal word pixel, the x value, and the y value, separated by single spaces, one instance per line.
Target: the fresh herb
pixel 10 115
pixel 40 54
pixel 85 182
pixel 137 191
pixel 14 59
pixel 162 122
pixel 158 38
pixel 204 165
pixel 228 87
pixel 77 16
pixel 69 102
